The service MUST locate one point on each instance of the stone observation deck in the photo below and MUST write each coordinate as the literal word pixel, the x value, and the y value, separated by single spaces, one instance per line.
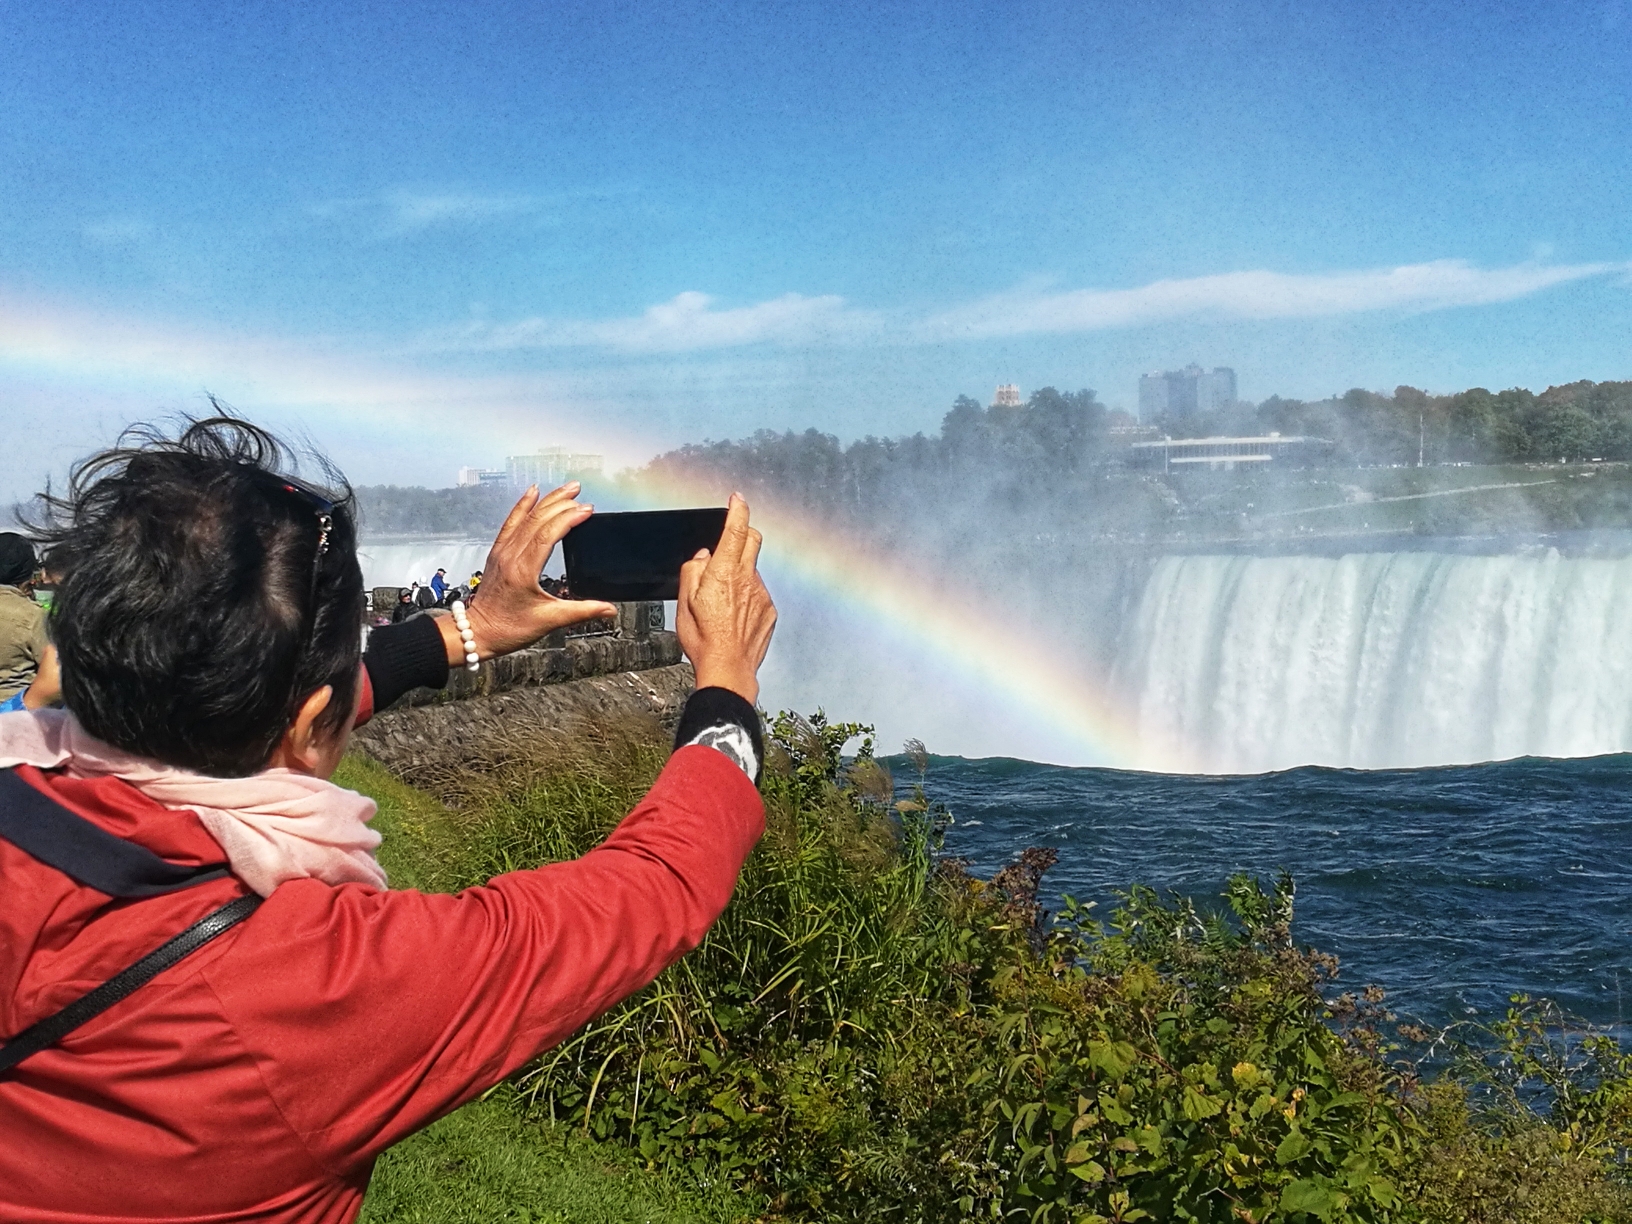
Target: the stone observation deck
pixel 628 665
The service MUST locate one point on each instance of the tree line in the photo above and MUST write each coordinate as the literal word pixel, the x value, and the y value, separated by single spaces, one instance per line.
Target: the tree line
pixel 1569 423
pixel 1057 435
pixel 387 510
pixel 1067 442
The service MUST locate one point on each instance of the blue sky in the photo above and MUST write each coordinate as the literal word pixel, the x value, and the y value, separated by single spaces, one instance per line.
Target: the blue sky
pixel 429 235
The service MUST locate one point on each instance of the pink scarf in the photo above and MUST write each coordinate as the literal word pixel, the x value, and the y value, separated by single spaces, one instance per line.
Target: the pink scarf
pixel 274 826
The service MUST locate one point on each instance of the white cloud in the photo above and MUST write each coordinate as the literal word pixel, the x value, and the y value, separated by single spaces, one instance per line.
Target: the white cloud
pixel 118 231
pixel 685 323
pixel 692 321
pixel 1437 285
pixel 410 211
pixel 393 214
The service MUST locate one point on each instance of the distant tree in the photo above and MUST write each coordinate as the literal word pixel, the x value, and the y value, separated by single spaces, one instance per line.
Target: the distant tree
pixel 397 510
pixel 965 429
pixel 1062 428
pixel 1472 421
pixel 1374 430
pixel 1285 416
pixel 1516 425
pixel 1566 432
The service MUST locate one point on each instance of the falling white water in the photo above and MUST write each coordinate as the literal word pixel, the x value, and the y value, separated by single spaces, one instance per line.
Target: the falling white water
pixel 1382 659
pixel 405 562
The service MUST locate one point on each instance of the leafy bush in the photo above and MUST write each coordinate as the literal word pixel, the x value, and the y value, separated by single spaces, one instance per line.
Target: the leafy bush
pixel 869 1032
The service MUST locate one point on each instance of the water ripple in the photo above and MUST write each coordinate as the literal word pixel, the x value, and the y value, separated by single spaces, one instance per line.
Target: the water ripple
pixel 1450 887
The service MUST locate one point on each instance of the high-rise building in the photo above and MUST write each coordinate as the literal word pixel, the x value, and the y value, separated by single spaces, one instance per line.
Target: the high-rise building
pixel 549 467
pixel 1007 395
pixel 1186 392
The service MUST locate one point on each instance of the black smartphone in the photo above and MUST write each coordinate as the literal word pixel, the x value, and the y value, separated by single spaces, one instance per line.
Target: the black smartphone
pixel 637 554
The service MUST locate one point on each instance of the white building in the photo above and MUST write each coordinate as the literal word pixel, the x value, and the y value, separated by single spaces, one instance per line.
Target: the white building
pixel 472 477
pixel 549 467
pixel 1228 453
pixel 1186 392
pixel 1007 395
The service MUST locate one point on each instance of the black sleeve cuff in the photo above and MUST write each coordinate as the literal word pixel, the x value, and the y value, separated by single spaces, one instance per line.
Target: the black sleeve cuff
pixel 708 708
pixel 405 656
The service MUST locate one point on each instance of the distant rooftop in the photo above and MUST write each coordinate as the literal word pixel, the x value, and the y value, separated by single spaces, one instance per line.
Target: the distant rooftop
pixel 1227 452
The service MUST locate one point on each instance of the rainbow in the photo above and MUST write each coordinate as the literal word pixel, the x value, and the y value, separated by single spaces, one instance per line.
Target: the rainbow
pixel 926 615
pixel 312 380
pixel 918 609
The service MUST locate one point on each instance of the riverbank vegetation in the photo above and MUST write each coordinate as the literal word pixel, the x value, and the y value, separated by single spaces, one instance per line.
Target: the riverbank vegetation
pixel 871 1033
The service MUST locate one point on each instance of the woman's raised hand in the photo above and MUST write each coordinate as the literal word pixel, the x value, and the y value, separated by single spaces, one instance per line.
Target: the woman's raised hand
pixel 510 610
pixel 725 616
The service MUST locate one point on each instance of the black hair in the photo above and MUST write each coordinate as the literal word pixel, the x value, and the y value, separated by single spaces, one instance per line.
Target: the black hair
pixel 17 559
pixel 203 600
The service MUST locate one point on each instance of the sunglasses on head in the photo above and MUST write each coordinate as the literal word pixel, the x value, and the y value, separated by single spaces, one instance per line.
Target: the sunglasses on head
pixel 321 506
pixel 324 509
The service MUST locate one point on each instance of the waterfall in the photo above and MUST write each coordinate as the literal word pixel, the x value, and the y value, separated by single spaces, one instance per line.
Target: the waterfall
pixel 402 562
pixel 1379 660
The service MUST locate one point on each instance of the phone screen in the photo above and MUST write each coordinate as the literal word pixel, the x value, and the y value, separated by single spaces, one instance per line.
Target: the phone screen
pixel 637 554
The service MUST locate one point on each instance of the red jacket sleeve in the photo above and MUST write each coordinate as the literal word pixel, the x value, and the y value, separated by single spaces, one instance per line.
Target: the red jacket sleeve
pixel 370 1014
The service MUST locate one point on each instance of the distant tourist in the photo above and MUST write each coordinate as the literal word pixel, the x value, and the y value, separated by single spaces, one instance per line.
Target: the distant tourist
pixel 405 607
pixel 50 579
pixel 423 597
pixel 23 641
pixel 208 631
pixel 439 585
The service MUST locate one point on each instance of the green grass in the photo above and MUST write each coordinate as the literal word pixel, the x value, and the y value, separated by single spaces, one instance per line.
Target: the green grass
pixel 409 820
pixel 487 1163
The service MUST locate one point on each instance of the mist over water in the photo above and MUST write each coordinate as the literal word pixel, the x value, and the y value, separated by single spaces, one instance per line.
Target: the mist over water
pixel 1429 655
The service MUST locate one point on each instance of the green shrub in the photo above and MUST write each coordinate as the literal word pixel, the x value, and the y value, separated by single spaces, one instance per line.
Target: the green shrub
pixel 870 1033
pixel 1181 1067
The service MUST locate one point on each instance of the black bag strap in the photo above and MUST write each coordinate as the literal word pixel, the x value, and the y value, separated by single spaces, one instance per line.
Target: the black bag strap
pixel 87 1007
pixel 41 827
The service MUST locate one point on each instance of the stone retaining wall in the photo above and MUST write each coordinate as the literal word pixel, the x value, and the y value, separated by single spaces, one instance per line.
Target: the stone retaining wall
pixel 553 662
pixel 631 668
pixel 415 740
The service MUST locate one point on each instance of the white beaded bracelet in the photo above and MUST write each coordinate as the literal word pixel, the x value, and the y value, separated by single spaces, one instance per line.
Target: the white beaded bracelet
pixel 473 661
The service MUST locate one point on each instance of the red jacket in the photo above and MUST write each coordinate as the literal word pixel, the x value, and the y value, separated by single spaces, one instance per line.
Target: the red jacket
pixel 261 1077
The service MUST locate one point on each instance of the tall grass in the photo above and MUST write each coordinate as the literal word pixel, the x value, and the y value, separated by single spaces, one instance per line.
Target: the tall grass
pixel 869 1033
